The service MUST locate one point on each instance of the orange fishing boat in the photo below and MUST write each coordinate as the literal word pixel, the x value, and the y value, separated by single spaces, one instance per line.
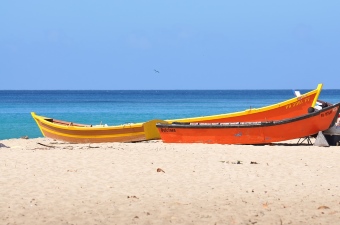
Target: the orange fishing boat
pixel 250 132
pixel 82 133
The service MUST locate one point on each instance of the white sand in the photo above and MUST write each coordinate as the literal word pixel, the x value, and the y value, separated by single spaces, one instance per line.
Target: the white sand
pixel 157 183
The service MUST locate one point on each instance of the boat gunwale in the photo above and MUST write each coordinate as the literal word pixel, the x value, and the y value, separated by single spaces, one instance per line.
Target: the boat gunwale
pixel 45 120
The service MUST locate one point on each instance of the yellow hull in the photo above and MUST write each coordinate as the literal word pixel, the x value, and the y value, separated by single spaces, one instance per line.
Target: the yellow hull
pixel 80 133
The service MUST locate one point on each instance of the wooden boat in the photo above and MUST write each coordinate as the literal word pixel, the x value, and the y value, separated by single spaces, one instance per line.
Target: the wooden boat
pixel 80 133
pixel 287 109
pixel 250 132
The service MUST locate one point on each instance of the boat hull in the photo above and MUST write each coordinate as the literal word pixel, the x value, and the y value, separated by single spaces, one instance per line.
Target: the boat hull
pixel 334 130
pixel 250 132
pixel 75 133
pixel 287 109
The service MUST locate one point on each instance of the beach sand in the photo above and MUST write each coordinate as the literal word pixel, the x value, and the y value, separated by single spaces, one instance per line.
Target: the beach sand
pixel 43 181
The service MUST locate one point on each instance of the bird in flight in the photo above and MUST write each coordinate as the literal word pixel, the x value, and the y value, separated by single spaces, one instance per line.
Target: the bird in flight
pixel 156 71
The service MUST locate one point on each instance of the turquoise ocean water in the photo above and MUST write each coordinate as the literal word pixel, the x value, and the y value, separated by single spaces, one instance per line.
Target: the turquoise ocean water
pixel 118 107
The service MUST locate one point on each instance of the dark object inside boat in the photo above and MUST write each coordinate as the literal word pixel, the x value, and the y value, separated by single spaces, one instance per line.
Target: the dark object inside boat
pixel 311 109
pixel 321 106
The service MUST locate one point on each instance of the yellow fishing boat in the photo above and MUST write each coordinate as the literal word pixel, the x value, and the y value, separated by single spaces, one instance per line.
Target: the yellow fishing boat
pixel 83 133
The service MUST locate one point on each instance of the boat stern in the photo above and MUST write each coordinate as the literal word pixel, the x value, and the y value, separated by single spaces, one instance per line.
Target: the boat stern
pixel 150 129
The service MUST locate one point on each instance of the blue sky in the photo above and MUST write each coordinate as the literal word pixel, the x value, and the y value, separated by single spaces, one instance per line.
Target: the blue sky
pixel 79 44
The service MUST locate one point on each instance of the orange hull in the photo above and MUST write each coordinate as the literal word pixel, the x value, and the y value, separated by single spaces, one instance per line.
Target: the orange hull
pixel 250 132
